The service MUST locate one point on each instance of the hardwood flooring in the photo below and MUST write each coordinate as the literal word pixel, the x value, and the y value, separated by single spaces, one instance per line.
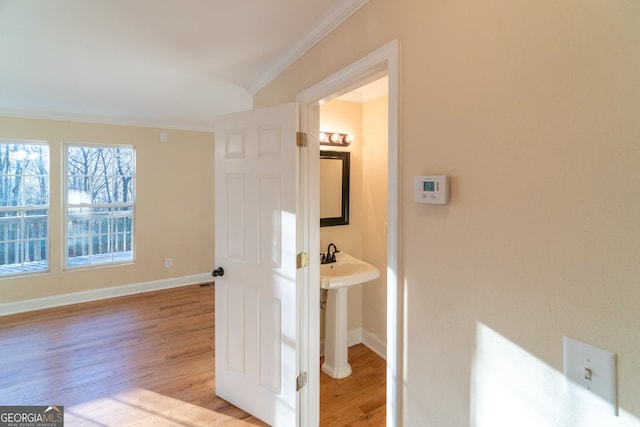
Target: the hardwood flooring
pixel 148 359
pixel 359 399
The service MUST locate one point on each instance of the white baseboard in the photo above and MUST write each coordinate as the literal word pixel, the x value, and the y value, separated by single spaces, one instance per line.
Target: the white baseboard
pixel 360 335
pixel 354 337
pixel 375 343
pixel 102 293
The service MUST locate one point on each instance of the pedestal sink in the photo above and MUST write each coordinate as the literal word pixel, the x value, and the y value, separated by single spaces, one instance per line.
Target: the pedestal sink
pixel 337 277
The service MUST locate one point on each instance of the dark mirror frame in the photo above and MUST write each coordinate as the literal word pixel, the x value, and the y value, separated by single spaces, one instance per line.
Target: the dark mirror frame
pixel 345 157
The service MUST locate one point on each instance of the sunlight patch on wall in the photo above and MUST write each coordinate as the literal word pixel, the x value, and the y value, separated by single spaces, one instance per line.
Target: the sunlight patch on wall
pixel 510 387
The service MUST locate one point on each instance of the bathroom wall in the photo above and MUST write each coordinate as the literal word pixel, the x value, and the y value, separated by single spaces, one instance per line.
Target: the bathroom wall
pixel 346 117
pixel 374 171
pixel 364 237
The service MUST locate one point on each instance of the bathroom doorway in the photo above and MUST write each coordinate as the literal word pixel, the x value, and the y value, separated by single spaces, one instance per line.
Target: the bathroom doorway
pixel 380 63
pixel 361 115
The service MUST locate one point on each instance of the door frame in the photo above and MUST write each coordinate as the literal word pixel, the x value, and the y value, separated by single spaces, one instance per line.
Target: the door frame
pixel 383 61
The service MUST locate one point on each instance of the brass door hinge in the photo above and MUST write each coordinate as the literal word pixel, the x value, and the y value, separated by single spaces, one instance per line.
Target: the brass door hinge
pixel 301 139
pixel 302 260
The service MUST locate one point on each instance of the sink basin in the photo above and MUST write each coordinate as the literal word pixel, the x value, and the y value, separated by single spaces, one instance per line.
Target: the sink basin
pixel 346 271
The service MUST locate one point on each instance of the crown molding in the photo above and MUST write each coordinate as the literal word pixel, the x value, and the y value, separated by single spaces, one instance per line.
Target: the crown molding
pixel 324 26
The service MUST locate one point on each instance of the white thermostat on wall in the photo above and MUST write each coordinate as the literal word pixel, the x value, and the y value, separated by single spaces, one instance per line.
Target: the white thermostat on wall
pixel 432 189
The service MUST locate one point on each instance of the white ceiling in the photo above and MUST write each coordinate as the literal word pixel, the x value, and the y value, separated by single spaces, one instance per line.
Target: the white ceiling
pixel 163 63
pixel 369 91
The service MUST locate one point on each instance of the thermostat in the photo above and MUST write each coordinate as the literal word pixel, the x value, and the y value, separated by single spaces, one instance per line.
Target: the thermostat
pixel 431 189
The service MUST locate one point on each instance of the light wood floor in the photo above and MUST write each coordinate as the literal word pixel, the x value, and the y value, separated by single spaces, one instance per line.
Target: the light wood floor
pixel 148 359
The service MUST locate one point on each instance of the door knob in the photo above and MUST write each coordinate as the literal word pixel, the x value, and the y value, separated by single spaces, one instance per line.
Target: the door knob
pixel 218 272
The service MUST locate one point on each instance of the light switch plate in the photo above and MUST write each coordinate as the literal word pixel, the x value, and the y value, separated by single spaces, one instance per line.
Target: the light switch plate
pixel 590 374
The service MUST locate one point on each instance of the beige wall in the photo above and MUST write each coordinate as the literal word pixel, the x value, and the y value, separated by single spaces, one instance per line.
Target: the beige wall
pixel 173 210
pixel 532 109
pixel 346 117
pixel 374 200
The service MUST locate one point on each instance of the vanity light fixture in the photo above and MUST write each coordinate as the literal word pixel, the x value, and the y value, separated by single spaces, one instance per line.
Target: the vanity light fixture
pixel 335 139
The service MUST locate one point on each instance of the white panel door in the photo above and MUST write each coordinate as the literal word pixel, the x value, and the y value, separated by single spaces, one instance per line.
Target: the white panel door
pixel 255 299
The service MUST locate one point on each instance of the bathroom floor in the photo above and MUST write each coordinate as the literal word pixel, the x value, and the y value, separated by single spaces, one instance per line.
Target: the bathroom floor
pixel 360 398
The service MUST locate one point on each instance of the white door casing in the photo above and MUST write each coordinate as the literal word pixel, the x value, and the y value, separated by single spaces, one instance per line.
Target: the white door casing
pixel 256 362
pixel 383 61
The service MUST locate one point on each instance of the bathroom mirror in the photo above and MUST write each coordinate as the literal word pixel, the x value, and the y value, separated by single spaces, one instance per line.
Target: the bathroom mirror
pixel 334 188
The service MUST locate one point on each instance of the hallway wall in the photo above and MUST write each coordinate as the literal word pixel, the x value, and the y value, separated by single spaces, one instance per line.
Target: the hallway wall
pixel 532 109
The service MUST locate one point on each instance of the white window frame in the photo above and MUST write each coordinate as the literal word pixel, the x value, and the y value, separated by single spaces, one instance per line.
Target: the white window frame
pixel 97 260
pixel 25 266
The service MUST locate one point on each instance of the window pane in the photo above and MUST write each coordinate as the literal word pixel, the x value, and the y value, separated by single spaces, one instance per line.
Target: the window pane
pixel 25 174
pixel 100 194
pixel 9 243
pixel 35 236
pixel 24 184
pixel 78 247
pixel 78 224
pixel 102 190
pixel 23 241
pixel 36 190
pixel 124 187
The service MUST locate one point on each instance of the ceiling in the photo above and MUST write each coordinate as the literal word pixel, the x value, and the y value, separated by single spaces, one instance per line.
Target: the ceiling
pixel 369 91
pixel 161 63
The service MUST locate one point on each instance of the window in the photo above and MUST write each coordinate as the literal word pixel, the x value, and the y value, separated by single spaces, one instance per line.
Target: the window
pixel 99 204
pixel 24 207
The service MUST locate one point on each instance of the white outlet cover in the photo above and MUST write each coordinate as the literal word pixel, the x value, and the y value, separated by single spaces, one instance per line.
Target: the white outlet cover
pixel 601 389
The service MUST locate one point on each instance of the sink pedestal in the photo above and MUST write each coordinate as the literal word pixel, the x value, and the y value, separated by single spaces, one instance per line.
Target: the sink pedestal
pixel 336 348
pixel 336 277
